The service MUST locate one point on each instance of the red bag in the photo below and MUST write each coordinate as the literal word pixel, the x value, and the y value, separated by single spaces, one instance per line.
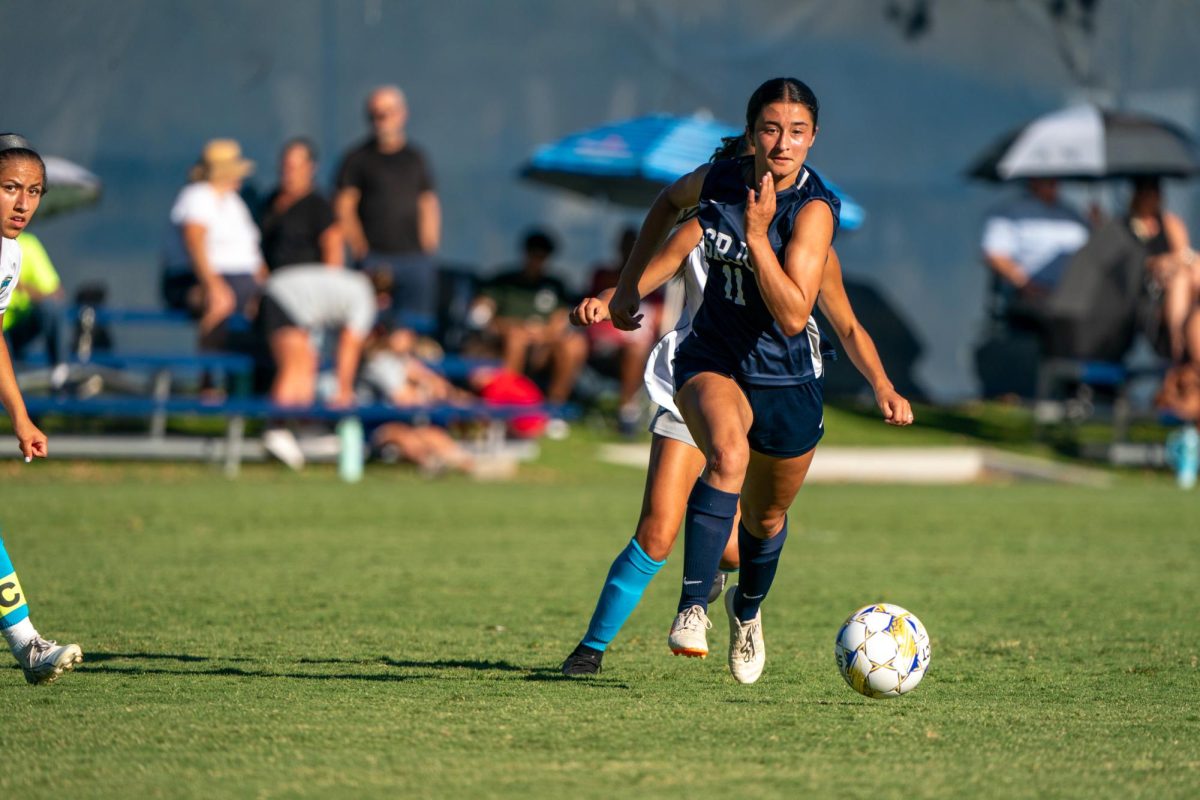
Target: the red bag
pixel 505 388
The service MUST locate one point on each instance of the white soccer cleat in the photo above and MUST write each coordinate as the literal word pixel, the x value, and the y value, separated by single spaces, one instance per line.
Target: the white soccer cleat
pixel 282 443
pixel 718 586
pixel 688 637
pixel 43 660
pixel 747 651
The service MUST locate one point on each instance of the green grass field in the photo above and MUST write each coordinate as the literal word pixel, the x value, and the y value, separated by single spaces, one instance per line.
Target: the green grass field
pixel 286 635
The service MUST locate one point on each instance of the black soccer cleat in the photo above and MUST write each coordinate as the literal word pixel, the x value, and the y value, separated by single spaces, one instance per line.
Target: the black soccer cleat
pixel 583 660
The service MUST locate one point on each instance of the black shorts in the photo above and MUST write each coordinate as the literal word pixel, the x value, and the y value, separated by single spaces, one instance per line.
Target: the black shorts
pixel 177 284
pixel 788 420
pixel 272 317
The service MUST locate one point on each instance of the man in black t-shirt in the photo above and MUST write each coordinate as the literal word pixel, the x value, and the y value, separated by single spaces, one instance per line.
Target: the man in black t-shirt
pixel 297 223
pixel 387 205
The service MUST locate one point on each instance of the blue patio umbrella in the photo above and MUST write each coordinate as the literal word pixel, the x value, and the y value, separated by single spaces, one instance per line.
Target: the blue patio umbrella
pixel 630 162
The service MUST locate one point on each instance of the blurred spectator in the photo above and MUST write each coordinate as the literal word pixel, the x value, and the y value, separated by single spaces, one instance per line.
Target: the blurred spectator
pixel 297 223
pixel 527 312
pixel 30 310
pixel 1174 272
pixel 298 304
pixel 392 371
pixel 213 262
pixel 387 206
pixel 628 349
pixel 432 449
pixel 1027 244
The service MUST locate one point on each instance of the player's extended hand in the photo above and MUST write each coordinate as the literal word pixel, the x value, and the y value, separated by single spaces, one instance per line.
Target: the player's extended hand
pixel 623 309
pixel 896 410
pixel 760 207
pixel 590 311
pixel 31 440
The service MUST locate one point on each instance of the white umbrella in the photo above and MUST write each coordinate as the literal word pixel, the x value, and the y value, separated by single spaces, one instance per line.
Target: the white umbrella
pixel 1086 143
pixel 68 186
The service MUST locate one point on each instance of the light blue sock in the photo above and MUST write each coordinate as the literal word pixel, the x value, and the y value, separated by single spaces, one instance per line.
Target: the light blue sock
pixel 627 580
pixel 13 608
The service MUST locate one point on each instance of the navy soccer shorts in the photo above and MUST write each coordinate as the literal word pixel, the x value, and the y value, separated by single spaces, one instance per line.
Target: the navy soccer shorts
pixel 788 420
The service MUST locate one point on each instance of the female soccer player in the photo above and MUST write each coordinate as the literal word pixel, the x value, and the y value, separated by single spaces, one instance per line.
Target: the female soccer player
pixel 22 183
pixel 748 377
pixel 675 461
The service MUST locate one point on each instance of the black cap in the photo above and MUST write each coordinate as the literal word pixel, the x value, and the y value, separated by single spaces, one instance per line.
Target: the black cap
pixel 14 141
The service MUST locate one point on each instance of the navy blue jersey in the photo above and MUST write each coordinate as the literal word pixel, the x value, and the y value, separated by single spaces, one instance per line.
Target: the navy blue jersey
pixel 734 328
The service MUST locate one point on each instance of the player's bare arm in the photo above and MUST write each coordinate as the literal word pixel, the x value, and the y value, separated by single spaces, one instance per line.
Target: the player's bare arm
pixel 30 439
pixel 835 305
pixel 662 267
pixel 680 195
pixel 790 291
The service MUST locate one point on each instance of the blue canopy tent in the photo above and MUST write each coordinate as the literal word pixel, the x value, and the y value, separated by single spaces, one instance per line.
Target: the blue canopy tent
pixel 630 162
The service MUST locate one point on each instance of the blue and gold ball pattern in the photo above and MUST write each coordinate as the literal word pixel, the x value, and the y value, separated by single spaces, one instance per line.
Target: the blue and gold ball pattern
pixel 882 650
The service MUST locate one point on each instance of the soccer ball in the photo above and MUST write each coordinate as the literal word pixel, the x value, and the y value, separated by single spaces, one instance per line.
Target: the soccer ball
pixel 882 650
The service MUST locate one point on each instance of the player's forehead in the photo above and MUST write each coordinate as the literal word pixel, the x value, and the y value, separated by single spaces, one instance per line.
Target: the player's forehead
pixel 21 170
pixel 786 115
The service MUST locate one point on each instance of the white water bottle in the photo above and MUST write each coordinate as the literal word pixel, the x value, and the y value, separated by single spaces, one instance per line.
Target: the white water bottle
pixel 350 449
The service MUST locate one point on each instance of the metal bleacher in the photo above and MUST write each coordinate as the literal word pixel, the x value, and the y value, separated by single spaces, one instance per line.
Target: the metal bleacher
pixel 112 385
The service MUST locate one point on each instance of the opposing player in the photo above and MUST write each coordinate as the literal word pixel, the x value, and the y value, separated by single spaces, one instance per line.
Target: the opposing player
pixel 675 463
pixel 748 378
pixel 22 184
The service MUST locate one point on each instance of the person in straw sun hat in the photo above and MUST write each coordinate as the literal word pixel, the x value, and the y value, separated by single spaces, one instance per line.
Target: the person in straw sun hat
pixel 214 265
pixel 222 159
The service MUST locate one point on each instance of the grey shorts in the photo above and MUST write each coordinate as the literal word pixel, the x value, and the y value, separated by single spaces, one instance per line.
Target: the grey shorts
pixel 664 424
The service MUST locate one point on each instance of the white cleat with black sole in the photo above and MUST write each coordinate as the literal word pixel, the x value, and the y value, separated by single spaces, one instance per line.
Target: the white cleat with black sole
pixel 747 651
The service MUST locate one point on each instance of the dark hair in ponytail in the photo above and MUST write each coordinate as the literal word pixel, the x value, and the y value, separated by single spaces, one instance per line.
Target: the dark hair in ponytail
pixel 731 147
pixel 777 90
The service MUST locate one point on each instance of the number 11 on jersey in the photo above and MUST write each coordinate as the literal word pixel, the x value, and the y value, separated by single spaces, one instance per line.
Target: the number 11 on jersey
pixel 733 275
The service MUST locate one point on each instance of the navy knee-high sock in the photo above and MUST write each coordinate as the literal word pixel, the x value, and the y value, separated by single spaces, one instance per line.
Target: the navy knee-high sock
pixel 760 559
pixel 706 529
